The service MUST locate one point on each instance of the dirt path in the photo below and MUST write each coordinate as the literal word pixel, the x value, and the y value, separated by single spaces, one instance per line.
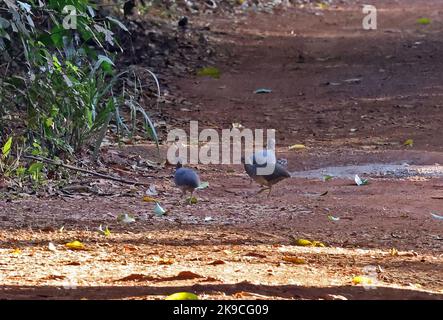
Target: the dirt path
pixel 236 244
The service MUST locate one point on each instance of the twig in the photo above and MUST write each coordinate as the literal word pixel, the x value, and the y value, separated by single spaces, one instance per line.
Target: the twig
pixel 101 175
pixel 438 198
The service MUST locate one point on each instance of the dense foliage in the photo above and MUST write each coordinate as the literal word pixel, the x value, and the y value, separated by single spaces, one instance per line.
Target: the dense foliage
pixel 59 81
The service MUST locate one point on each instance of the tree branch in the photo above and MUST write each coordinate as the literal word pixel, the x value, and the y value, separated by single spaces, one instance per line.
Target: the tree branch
pixel 97 174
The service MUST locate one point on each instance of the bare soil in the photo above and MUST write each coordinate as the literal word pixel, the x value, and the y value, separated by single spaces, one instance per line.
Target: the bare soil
pixel 234 243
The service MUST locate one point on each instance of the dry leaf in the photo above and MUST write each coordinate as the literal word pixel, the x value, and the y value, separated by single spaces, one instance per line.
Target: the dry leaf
pixel 216 263
pixel 51 247
pixel 149 199
pixel 294 260
pixel 255 254
pixel 163 261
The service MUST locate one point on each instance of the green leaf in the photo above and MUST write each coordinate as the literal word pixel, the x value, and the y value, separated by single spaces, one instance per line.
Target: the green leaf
pixel 209 72
pixel 49 122
pixel 20 171
pixel 36 167
pixel 424 21
pixel 7 147
pixel 106 232
pixel 409 143
pixel 57 34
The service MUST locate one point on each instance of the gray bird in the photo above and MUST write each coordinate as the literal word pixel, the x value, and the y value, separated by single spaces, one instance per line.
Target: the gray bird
pixel 268 180
pixel 186 179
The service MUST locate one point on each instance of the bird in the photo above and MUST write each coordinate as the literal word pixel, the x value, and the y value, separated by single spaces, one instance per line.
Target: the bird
pixel 278 174
pixel 186 179
pixel 265 156
pixel 263 159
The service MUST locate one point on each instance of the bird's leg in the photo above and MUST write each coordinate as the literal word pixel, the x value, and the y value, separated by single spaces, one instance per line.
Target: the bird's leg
pixel 270 189
pixel 183 193
pixel 190 198
pixel 263 189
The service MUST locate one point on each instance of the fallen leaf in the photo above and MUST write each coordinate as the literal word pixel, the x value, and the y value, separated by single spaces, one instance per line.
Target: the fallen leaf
pixel 255 254
pixel 203 185
pixel 216 263
pixel 148 199
pixel 53 277
pixel 332 218
pixel 125 218
pixel 393 252
pixel 294 260
pixel 424 21
pixel 318 244
pixel 182 296
pixel 128 248
pixel 184 275
pixel 192 200
pixel 359 181
pixel 158 210
pixel 328 177
pixel 51 247
pixel 151 191
pixel 243 294
pixel 262 90
pixel 106 232
pixel 209 72
pixel 75 245
pixel 408 143
pixel 436 216
pixel 137 277
pixel 164 261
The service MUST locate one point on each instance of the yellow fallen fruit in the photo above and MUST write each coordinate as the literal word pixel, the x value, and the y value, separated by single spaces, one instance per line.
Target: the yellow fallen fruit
pixel 297 147
pixel 318 244
pixel 294 260
pixel 16 251
pixel 361 280
pixel 303 242
pixel 75 245
pixel 182 296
